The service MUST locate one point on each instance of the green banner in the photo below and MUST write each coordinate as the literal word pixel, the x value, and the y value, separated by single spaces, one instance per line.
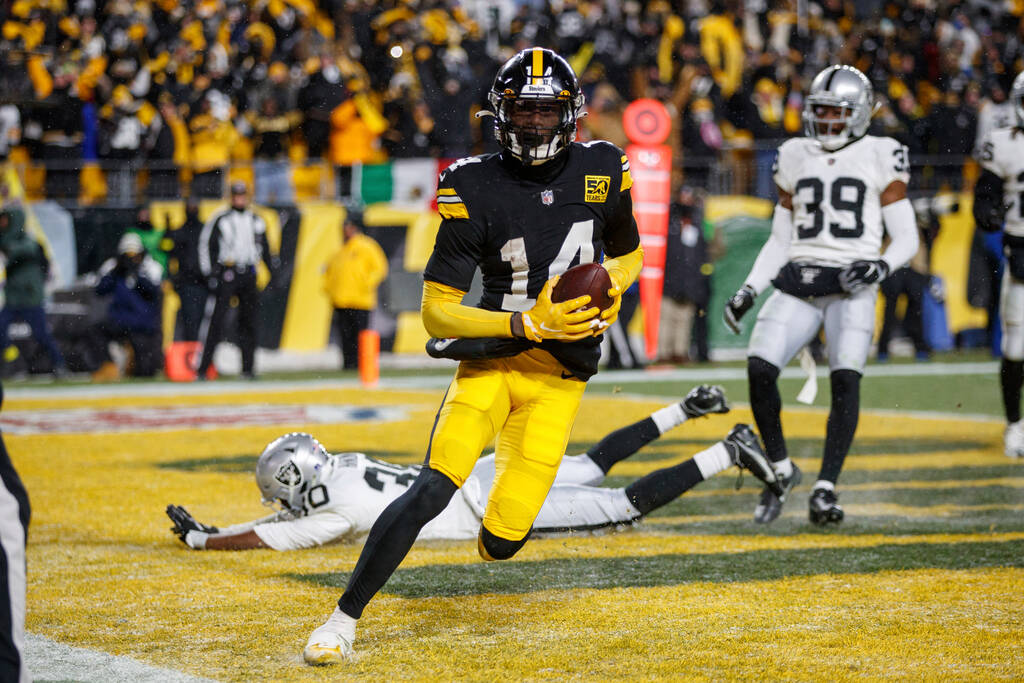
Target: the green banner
pixel 743 236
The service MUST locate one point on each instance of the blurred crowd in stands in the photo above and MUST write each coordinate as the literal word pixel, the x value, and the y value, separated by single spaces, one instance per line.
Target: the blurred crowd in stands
pixel 188 93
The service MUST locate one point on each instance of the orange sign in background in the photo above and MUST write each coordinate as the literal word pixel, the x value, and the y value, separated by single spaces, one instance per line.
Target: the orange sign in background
pixel 647 123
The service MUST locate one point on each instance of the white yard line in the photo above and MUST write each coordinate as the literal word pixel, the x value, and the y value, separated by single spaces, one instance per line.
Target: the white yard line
pixel 49 660
pixel 440 381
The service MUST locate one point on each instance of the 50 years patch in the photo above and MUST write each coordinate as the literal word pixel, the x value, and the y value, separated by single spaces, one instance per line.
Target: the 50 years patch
pixel 596 188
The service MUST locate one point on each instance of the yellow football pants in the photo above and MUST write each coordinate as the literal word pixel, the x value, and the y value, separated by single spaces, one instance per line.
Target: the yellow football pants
pixel 530 405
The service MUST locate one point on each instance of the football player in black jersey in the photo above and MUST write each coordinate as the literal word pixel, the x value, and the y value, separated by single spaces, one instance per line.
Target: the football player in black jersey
pixel 523 216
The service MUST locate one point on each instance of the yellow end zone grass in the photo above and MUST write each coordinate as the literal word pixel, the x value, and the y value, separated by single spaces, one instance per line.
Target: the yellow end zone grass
pixel 105 573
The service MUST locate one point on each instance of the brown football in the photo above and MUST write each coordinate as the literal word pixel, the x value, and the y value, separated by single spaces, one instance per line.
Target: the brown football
pixel 586 278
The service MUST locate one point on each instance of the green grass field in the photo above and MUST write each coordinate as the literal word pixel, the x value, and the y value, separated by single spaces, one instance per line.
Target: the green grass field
pixel 923 581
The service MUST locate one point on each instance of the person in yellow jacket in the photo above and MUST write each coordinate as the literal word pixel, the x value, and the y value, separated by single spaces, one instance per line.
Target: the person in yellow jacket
pixel 351 279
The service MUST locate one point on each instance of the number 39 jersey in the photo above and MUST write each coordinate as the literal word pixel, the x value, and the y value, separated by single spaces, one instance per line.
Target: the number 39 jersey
pixel 524 225
pixel 352 493
pixel 837 213
pixel 1002 153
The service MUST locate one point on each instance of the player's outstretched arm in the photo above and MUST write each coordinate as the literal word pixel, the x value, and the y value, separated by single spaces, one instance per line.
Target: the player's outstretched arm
pixel 199 536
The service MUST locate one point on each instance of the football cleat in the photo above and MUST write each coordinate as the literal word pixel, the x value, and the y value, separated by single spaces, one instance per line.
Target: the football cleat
pixel 326 646
pixel 825 508
pixel 770 506
pixel 1013 440
pixel 745 449
pixel 703 400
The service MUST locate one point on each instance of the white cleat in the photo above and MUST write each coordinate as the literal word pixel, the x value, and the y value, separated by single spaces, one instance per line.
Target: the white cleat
pixel 326 646
pixel 1013 440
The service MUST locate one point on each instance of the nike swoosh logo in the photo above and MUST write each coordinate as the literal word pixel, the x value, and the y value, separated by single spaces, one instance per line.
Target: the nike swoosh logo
pixel 442 344
pixel 568 375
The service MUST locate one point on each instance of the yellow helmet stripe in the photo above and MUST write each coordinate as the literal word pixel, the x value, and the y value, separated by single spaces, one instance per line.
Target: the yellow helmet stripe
pixel 538 66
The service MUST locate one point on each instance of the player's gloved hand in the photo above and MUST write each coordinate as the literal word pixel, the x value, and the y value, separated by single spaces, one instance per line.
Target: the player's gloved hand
pixel 611 314
pixel 704 400
pixel 862 273
pixel 737 306
pixel 565 321
pixel 192 533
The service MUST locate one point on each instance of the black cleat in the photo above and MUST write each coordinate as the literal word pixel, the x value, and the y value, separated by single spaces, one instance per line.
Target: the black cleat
pixel 770 506
pixel 705 399
pixel 825 508
pixel 745 449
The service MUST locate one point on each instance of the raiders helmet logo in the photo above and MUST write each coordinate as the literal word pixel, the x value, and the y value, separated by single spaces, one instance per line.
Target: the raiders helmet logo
pixel 289 475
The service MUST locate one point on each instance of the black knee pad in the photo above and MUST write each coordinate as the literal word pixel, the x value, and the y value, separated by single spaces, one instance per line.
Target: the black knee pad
pixel 760 372
pixel 492 547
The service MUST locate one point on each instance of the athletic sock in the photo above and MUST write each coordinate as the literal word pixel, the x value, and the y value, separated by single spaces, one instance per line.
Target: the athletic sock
pixel 669 417
pixel 713 460
pixel 624 442
pixel 783 468
pixel 663 486
pixel 824 484
pixel 842 422
pixel 1011 376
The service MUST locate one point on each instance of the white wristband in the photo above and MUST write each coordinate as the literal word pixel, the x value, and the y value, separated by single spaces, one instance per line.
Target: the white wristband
pixel 196 539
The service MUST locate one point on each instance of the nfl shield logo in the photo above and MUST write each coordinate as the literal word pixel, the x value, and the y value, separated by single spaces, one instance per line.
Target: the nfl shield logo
pixel 548 197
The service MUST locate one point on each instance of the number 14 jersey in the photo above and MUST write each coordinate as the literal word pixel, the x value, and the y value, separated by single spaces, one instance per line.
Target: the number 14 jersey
pixel 524 225
pixel 837 213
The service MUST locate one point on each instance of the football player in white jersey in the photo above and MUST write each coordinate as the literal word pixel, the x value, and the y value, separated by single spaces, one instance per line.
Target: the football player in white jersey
pixel 999 203
pixel 839 191
pixel 327 498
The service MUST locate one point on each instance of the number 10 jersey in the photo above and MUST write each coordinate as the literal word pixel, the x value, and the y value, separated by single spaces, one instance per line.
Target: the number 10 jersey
pixel 837 213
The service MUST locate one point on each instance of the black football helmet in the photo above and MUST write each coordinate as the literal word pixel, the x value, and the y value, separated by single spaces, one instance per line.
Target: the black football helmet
pixel 535 74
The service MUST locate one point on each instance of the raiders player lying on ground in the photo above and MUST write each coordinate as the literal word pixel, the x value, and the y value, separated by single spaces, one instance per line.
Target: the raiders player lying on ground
pixel 327 498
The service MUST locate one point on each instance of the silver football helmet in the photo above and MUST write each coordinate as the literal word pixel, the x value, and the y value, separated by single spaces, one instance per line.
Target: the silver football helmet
pixel 1017 97
pixel 844 87
pixel 289 467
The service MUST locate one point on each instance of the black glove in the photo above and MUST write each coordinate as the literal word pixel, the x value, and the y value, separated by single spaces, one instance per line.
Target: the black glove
pixel 704 400
pixel 737 306
pixel 184 523
pixel 862 273
pixel 481 348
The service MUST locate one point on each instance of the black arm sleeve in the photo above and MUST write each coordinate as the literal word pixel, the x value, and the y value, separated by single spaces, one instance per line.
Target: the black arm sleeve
pixel 481 348
pixel 988 202
pixel 621 233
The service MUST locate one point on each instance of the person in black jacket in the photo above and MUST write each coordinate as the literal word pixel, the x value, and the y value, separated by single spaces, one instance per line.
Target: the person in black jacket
pixel 687 284
pixel 186 277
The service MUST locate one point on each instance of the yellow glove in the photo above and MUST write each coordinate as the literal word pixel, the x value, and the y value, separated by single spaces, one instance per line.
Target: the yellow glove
pixel 562 321
pixel 611 314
